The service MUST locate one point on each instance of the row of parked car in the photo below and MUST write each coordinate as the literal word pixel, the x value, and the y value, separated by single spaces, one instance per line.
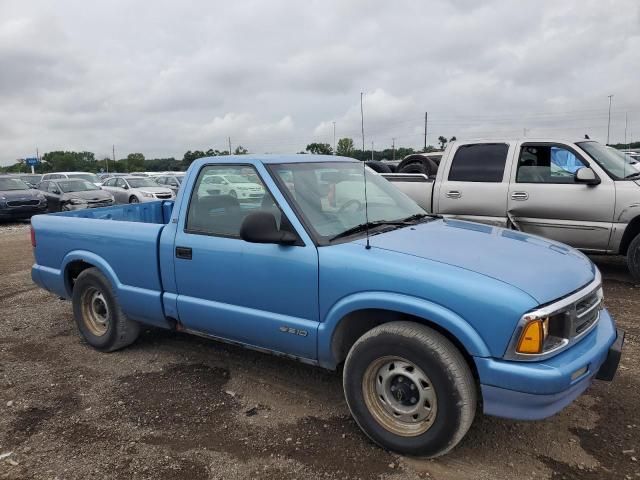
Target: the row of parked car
pixel 25 195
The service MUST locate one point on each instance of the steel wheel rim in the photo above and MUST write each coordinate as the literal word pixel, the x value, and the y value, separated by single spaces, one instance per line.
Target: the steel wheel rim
pixel 95 311
pixel 399 396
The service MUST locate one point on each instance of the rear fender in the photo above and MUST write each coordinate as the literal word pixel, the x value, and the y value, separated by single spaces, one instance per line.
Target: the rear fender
pixel 139 304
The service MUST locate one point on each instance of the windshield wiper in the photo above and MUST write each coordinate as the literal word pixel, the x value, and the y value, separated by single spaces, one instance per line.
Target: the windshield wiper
pixel 635 174
pixel 364 226
pixel 419 216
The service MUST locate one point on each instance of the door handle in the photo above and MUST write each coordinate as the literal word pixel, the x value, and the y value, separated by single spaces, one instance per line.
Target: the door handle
pixel 453 194
pixel 521 196
pixel 184 252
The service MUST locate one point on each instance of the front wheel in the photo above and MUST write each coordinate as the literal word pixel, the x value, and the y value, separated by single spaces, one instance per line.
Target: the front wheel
pixel 410 389
pixel 134 200
pixel 633 258
pixel 233 194
pixel 98 316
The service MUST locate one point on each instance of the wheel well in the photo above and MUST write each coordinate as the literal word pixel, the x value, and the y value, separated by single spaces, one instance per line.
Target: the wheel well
pixel 355 324
pixel 74 269
pixel 632 230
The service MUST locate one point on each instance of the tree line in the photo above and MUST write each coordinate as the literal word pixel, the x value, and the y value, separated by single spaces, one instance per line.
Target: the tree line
pixel 345 148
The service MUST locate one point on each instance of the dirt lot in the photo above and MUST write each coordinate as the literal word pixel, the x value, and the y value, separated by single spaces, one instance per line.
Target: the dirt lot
pixel 174 406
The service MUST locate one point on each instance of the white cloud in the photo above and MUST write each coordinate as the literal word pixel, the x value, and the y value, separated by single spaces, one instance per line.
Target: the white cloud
pixel 168 77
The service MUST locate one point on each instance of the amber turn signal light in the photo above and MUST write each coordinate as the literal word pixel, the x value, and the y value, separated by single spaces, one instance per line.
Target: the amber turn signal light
pixel 533 336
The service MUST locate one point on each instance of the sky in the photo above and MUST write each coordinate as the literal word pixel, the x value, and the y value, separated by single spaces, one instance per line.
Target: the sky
pixel 164 77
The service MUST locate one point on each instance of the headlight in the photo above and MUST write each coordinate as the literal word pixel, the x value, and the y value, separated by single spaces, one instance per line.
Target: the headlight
pixel 553 328
pixel 146 194
pixel 77 201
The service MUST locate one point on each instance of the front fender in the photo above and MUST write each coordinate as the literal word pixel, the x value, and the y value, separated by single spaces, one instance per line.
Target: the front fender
pixel 434 313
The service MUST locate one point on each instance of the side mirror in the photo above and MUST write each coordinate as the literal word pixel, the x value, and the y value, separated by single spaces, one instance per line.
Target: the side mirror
pixel 587 176
pixel 57 192
pixel 260 227
pixel 126 187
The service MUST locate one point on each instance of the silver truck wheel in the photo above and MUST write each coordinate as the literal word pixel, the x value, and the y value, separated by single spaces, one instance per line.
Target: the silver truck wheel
pixel 633 258
pixel 399 396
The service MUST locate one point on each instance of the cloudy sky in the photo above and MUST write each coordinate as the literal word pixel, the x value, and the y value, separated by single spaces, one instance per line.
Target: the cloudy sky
pixel 163 77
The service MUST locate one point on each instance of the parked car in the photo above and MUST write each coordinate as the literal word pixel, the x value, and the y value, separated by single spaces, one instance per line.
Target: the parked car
pixel 104 176
pixel 73 194
pixel 172 181
pixel 30 179
pixel 89 177
pixel 136 189
pixel 428 317
pixel 580 193
pixel 18 200
pixel 237 186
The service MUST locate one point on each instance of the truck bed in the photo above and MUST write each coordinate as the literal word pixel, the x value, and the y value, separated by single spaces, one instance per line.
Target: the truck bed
pixel 106 238
pixel 417 186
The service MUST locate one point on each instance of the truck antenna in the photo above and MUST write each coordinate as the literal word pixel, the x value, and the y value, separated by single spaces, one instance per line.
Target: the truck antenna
pixel 366 203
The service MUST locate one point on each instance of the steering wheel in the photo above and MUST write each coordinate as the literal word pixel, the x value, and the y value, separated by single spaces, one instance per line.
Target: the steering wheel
pixel 349 203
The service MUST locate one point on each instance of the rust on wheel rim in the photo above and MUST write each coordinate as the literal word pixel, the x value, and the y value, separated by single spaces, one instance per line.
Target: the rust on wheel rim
pixel 400 396
pixel 95 311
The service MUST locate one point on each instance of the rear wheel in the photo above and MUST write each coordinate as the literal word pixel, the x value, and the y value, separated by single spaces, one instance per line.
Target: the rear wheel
pixel 98 316
pixel 633 258
pixel 410 389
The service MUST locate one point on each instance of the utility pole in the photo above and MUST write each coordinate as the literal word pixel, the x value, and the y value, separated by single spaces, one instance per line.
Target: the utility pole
pixel 426 120
pixel 393 147
pixel 362 120
pixel 33 171
pixel 609 122
pixel 372 151
pixel 113 156
pixel 626 125
pixel 334 138
pixel 229 145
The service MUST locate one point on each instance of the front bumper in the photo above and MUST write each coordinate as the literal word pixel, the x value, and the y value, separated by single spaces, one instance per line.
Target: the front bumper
pixel 20 212
pixel 536 390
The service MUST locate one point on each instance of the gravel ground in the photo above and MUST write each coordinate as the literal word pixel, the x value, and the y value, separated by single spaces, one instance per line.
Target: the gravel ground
pixel 174 406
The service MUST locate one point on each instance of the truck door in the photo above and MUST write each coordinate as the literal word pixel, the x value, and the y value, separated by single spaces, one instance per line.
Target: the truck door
pixel 545 199
pixel 475 183
pixel 262 295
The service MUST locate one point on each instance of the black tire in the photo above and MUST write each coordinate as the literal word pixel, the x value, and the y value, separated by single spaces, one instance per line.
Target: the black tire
pixel 418 164
pixel 379 167
pixel 233 194
pixel 633 258
pixel 448 377
pixel 117 331
pixel 133 199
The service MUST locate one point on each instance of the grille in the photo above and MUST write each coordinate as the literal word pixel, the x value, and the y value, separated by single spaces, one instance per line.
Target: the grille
pixel 587 312
pixel 99 203
pixel 163 196
pixel 23 203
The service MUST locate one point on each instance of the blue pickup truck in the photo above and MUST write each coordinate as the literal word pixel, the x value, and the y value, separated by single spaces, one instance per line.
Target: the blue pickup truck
pixel 318 259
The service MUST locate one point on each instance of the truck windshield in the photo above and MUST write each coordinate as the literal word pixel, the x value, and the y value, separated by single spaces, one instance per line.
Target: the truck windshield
pixel 7 184
pixel 69 186
pixel 614 163
pixel 330 197
pixel 141 182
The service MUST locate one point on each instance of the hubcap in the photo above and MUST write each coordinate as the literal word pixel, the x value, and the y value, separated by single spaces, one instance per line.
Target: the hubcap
pixel 95 311
pixel 400 396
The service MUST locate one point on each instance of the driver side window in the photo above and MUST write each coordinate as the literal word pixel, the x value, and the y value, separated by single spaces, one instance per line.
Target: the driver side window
pixel 547 164
pixel 218 211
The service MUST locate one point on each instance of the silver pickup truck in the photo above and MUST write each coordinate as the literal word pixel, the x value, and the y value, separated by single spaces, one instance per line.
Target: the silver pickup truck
pixel 581 193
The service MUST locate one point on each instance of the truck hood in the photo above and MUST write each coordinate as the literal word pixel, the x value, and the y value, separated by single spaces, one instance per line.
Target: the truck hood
pixel 91 195
pixel 544 269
